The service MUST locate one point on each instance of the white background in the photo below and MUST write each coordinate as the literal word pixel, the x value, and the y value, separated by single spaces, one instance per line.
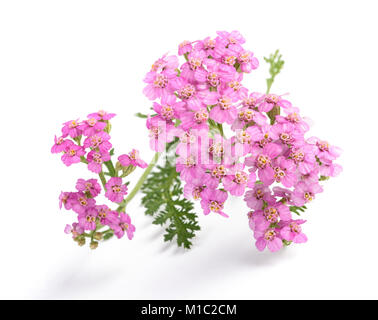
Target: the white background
pixel 61 60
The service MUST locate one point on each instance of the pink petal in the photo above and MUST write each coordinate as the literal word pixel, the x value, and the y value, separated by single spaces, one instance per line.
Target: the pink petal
pixel 300 238
pixel 275 244
pixel 261 244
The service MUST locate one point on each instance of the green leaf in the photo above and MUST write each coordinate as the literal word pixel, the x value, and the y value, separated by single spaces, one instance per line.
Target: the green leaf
pixel 82 159
pixel 141 115
pixel 108 235
pixel 237 67
pixel 163 199
pixel 109 165
pixel 298 210
pixel 276 65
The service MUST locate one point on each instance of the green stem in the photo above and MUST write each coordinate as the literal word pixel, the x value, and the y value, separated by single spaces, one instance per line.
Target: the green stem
pixel 276 64
pixel 140 182
pixel 269 84
pixel 273 113
pixel 92 234
pixel 102 178
pixel 220 128
pixel 83 160
pixel 109 165
pixel 276 109
pixel 106 231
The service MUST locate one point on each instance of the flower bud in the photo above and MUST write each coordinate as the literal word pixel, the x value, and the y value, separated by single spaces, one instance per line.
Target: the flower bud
pixel 118 166
pixel 93 245
pixel 98 236
pixel 127 170
pixel 80 241
pixel 108 127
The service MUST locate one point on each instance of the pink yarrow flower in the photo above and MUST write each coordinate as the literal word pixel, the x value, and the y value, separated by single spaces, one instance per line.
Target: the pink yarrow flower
pixel 165 62
pixel 211 46
pixel 115 190
pixel 72 154
pixel 214 75
pixel 160 132
pixel 158 83
pixel 288 134
pixel 75 229
pixel 188 166
pixel 236 85
pixel 273 100
pixel 223 110
pixel 292 231
pixel 236 180
pixel 184 47
pixel 233 40
pixel 189 140
pixel 132 159
pixel 71 128
pixel 273 213
pixel 96 159
pixel 194 63
pixel 304 158
pixel 247 61
pixel 269 238
pixel 188 93
pixel 168 108
pixel 195 119
pixel 98 141
pixel 106 215
pixel 262 160
pixel 284 171
pixel 285 195
pixel 330 169
pixel 294 118
pixel 101 115
pixel 87 219
pixel 213 201
pixel 123 225
pixel 196 100
pixel 82 203
pixel 215 175
pixel 255 198
pixel 246 115
pixel 305 192
pixel 194 187
pixel 91 126
pixel 60 144
pixel 67 199
pixel 324 151
pixel 91 187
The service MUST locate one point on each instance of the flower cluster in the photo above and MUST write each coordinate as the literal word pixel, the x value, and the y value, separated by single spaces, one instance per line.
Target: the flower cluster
pixel 266 159
pixel 228 141
pixel 88 142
